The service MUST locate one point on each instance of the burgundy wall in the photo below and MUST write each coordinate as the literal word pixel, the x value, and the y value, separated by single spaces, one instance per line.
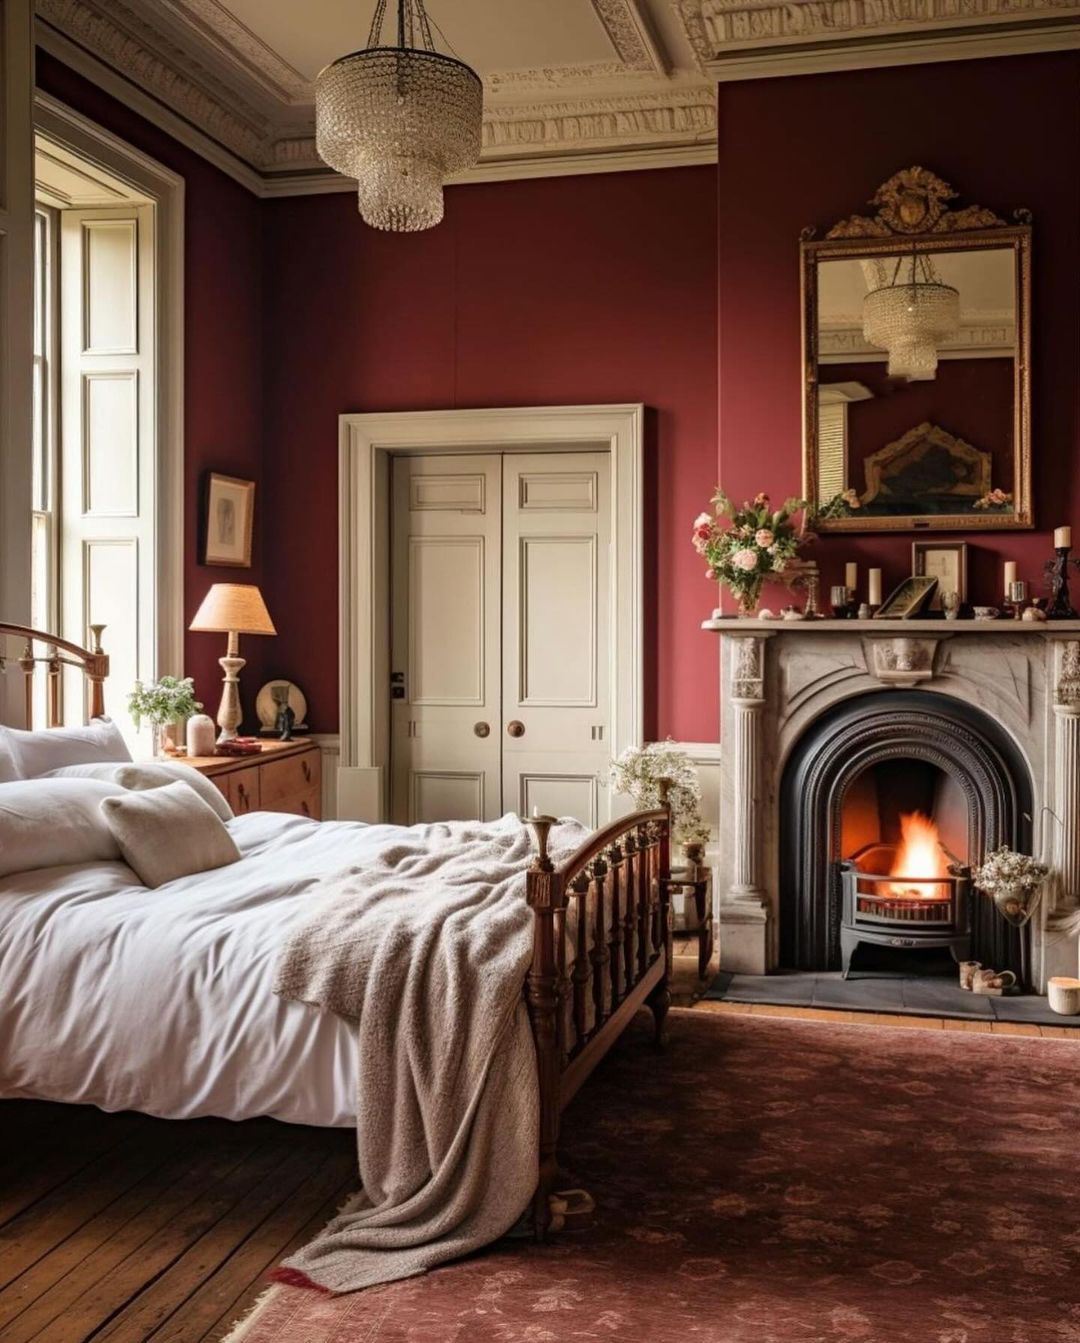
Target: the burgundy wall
pixel 553 291
pixel 222 351
pixel 812 149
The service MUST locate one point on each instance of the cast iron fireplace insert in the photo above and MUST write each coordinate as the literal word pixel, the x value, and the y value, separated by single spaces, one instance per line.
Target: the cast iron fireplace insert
pixel 853 776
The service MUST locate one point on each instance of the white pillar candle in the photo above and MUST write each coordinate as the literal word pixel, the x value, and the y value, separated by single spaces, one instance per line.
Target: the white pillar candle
pixel 873 595
pixel 1062 538
pixel 1010 576
pixel 201 735
pixel 851 575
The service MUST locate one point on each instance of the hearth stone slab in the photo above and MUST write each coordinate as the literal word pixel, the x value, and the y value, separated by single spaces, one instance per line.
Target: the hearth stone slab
pixel 924 996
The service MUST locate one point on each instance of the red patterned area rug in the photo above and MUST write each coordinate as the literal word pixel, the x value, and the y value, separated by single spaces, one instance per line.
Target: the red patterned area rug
pixel 777 1181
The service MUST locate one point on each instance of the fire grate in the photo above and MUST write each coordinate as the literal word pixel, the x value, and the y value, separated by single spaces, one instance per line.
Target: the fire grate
pixel 885 909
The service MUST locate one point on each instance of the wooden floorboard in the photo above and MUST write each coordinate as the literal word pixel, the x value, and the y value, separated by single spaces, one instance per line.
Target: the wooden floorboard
pixel 126 1229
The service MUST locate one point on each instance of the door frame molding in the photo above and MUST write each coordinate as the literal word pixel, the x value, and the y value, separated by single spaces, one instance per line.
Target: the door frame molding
pixel 164 189
pixel 366 444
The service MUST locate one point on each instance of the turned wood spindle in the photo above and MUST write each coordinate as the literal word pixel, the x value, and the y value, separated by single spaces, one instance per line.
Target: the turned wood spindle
pixel 26 662
pixel 620 974
pixel 53 692
pixel 582 971
pixel 630 921
pixel 544 893
pixel 600 947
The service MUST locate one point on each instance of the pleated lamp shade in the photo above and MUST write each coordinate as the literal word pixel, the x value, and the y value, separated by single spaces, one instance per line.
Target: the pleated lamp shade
pixel 233 608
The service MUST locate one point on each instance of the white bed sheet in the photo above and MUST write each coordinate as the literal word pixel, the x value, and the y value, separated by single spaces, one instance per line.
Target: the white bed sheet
pixel 161 1000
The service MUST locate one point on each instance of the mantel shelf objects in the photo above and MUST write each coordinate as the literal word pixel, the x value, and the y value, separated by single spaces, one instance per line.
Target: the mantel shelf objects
pixel 723 624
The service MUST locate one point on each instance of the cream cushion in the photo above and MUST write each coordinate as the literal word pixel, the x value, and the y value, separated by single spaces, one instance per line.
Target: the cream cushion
pixel 53 823
pixel 36 753
pixel 140 775
pixel 169 832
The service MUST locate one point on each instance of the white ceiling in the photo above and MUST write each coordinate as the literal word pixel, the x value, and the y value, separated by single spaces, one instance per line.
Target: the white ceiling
pixel 986 280
pixel 515 34
pixel 570 85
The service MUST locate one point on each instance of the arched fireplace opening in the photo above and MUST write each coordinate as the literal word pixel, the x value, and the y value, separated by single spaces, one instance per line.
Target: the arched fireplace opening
pixel 886 800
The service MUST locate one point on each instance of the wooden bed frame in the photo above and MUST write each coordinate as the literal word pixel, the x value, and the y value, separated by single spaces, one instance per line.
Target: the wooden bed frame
pixel 613 893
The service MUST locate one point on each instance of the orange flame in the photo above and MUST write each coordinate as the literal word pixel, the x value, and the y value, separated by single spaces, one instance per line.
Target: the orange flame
pixel 919 856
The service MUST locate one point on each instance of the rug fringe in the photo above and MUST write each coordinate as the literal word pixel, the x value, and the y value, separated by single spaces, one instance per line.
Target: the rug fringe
pixel 242 1327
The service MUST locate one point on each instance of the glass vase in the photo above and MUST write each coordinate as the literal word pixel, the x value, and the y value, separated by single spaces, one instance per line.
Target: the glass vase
pixel 748 600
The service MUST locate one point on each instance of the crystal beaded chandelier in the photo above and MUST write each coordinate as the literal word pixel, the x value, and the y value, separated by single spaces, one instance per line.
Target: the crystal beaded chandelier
pixel 400 119
pixel 912 318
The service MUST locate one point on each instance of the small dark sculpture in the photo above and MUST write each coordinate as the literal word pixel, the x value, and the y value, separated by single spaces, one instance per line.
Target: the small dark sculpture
pixel 283 723
pixel 1057 580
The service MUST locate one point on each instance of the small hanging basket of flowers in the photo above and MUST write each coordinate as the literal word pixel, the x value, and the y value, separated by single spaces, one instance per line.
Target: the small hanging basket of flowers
pixel 1014 881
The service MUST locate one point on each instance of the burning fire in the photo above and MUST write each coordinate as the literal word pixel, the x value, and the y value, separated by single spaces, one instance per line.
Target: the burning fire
pixel 919 856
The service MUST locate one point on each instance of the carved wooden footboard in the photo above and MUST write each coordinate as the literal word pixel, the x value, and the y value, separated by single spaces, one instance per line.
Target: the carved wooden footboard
pixel 613 897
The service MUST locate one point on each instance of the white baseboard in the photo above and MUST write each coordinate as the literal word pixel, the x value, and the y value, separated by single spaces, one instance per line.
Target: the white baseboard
pixel 329 744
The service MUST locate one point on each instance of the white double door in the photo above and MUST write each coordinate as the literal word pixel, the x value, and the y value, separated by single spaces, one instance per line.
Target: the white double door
pixel 501 660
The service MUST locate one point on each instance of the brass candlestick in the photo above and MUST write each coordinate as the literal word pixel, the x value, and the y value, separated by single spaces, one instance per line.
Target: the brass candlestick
pixel 541 828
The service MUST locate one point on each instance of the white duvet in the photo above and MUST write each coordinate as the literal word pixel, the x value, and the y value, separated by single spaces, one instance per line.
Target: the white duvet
pixel 161 1000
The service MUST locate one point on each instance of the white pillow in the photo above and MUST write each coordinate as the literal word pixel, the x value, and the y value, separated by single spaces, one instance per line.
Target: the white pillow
pixel 36 753
pixel 168 832
pixel 51 822
pixel 142 774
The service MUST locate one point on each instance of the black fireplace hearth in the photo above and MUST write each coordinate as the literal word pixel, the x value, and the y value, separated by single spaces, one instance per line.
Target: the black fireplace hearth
pixel 864 779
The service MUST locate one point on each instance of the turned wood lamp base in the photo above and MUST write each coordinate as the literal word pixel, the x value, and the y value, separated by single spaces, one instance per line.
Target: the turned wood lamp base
pixel 232 609
pixel 229 714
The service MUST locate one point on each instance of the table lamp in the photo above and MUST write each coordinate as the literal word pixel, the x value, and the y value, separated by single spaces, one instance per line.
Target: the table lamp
pixel 232 609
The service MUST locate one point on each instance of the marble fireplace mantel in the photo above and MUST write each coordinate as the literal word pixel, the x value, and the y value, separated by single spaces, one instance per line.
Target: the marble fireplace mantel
pixel 778 676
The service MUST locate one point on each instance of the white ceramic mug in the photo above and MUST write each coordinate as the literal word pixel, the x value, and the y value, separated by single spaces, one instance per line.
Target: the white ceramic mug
pixel 967 973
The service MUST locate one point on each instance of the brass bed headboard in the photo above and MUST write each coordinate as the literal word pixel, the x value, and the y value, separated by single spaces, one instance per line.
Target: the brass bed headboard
pixel 92 662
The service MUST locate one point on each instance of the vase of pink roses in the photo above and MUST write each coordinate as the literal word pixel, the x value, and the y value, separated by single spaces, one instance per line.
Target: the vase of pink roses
pixel 745 545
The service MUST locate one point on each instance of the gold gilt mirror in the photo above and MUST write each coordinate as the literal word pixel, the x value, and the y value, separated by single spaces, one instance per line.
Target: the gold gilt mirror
pixel 916 346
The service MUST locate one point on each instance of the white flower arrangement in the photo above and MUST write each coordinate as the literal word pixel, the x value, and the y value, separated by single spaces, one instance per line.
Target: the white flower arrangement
pixel 1006 870
pixel 637 774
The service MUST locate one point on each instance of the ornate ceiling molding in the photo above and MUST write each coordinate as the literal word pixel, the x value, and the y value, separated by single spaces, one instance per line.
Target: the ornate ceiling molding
pixel 243 102
pixel 240 47
pixel 628 29
pixel 737 38
pixel 117 36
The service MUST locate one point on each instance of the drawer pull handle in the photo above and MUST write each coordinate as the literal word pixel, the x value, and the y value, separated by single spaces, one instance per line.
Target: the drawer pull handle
pixel 305 809
pixel 307 771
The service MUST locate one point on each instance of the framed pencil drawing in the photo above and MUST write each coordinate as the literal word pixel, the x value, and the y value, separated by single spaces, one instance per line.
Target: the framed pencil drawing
pixel 228 521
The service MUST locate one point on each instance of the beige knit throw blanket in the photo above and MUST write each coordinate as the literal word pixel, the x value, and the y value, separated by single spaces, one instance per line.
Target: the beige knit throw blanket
pixel 426 949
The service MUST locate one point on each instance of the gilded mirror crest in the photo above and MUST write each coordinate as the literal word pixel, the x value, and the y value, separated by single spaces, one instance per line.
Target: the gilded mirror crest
pixel 916 336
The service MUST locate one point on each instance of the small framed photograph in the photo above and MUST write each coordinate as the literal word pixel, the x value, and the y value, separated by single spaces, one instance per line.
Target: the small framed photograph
pixel 906 601
pixel 948 563
pixel 230 514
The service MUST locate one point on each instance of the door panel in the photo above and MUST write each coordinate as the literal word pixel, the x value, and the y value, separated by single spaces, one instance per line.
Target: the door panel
pixel 556 623
pixel 445 644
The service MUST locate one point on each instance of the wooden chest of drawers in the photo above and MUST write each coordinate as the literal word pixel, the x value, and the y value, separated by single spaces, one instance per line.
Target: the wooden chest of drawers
pixel 284 776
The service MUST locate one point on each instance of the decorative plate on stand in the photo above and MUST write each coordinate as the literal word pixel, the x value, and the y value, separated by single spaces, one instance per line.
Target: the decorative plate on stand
pixel 268 704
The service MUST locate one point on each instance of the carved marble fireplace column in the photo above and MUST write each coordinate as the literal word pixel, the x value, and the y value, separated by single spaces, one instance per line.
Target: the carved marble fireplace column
pixel 744 910
pixel 1067 771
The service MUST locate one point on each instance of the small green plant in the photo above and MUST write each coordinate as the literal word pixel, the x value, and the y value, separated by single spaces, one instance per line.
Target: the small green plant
pixel 167 700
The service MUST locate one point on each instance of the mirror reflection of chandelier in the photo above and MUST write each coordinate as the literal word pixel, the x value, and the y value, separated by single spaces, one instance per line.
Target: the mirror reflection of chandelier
pixel 912 317
pixel 400 119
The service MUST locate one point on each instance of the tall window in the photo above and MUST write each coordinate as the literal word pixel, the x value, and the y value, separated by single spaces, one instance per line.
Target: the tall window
pixel 95 477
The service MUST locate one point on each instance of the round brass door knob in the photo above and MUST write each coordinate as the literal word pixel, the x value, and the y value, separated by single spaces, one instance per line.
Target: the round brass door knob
pixel 481 729
pixel 515 728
